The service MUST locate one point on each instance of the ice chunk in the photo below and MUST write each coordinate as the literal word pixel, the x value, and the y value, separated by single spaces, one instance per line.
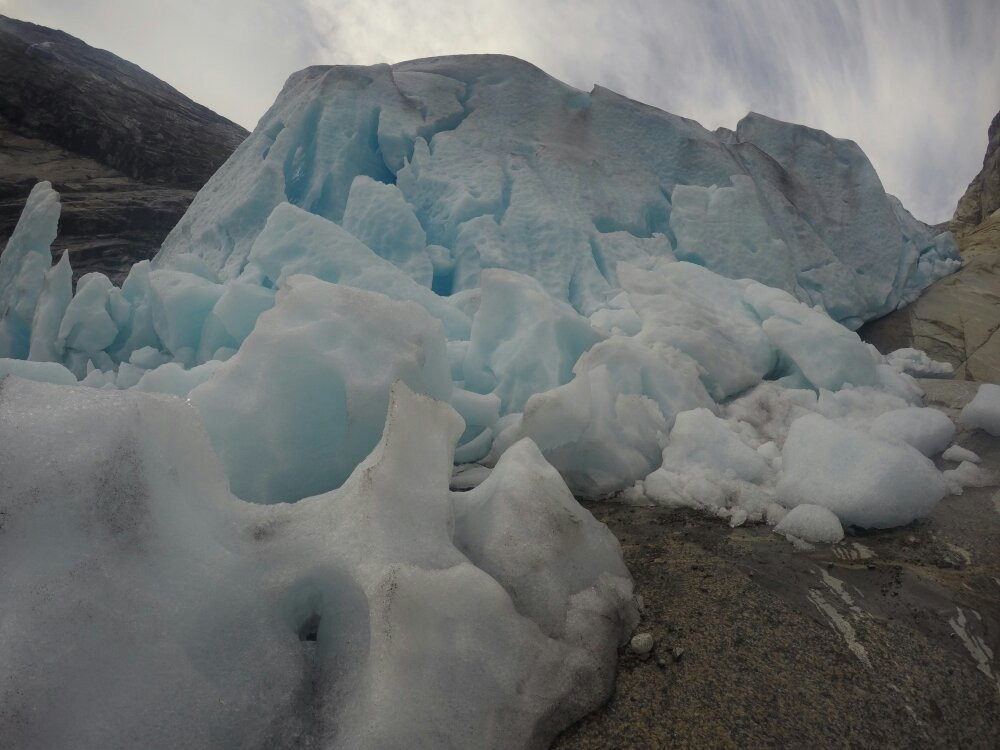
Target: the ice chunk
pixel 880 252
pixel 692 310
pixel 707 465
pixel 967 474
pixel 190 263
pixel 42 372
pixel 195 619
pixel 295 241
pixel 233 317
pixel 599 439
pixel 523 341
pixel 505 527
pixel 811 345
pixel 23 266
pixel 983 412
pixel 927 430
pixel 377 214
pixel 958 454
pixel 302 402
pixel 137 330
pixel 181 304
pixel 811 523
pixel 172 378
pixel 661 373
pixel 916 363
pixel 87 325
pixel 54 299
pixel 701 442
pixel 865 481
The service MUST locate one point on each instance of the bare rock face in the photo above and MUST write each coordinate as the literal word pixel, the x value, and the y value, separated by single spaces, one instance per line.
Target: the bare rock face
pixel 957 320
pixel 982 197
pixel 126 151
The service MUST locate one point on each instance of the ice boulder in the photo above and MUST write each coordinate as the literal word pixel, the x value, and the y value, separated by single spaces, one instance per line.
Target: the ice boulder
pixel 169 377
pixel 958 454
pixel 865 481
pixel 91 322
pixel 294 241
pixel 813 350
pixel 600 439
pixel 928 430
pixel 23 266
pixel 378 215
pixel 690 309
pixel 701 442
pixel 983 412
pixel 303 401
pixel 505 526
pixel 42 372
pixel 967 474
pixel 811 523
pixel 918 364
pixel 523 341
pixel 178 616
pixel 708 465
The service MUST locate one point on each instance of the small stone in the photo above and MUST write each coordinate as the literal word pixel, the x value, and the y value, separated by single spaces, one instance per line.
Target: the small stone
pixel 661 664
pixel 641 643
pixel 677 653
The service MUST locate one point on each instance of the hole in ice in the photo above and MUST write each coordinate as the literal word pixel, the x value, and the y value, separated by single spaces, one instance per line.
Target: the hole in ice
pixel 309 629
pixel 443 283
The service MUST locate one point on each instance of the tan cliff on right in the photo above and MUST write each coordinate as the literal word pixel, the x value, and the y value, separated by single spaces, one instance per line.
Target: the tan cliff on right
pixel 958 318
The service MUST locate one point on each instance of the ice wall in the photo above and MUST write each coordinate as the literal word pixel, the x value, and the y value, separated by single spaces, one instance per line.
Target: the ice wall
pixel 456 164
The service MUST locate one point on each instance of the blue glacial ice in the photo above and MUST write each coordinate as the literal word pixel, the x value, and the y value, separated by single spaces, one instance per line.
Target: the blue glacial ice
pixel 447 261
pixel 24 266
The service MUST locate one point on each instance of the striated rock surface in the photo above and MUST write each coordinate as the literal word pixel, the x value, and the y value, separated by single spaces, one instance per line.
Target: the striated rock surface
pixel 957 319
pixel 982 197
pixel 126 151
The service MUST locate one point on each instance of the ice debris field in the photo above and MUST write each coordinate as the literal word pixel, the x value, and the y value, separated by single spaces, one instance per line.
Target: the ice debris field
pixel 309 475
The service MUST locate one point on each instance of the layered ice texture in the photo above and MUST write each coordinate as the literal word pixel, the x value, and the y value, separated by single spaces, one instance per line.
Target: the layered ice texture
pixel 229 509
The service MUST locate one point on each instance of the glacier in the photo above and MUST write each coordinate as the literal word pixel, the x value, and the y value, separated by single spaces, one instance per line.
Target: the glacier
pixel 315 465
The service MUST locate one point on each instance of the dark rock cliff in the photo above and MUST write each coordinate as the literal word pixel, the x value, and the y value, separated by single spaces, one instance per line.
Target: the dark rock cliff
pixel 982 197
pixel 126 150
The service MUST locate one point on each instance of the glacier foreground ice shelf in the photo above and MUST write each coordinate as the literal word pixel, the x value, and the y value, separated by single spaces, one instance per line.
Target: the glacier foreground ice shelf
pixel 388 613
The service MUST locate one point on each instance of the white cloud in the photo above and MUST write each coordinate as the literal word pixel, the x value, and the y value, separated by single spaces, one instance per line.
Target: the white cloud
pixel 914 82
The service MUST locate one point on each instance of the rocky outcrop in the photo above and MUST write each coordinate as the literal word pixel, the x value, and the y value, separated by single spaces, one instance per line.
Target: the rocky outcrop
pixel 982 197
pixel 126 151
pixel 957 320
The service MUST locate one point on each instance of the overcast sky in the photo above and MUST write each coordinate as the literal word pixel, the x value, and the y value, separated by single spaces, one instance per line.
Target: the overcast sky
pixel 914 82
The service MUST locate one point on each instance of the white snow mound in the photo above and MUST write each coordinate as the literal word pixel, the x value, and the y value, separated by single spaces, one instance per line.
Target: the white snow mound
pixel 811 523
pixel 983 412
